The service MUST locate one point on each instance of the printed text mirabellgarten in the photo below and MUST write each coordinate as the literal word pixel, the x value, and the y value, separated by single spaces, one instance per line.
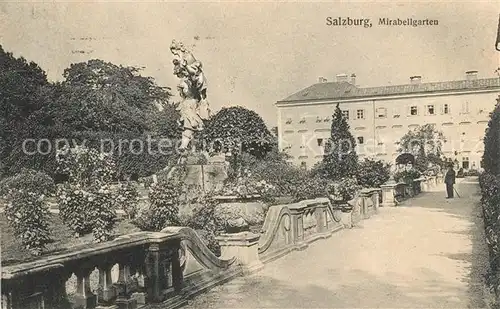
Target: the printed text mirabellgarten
pixel 366 22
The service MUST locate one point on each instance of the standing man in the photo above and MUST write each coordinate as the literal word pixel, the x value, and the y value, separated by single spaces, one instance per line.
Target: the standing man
pixel 449 180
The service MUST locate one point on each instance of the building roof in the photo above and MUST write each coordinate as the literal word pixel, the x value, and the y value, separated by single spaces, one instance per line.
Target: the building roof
pixel 345 90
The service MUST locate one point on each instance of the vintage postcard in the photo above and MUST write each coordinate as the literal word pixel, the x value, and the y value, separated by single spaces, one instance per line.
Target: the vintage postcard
pixel 234 154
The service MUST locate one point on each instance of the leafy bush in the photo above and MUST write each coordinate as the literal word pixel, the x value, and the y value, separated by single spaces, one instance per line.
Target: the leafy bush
pixel 373 174
pixel 127 198
pixel 27 211
pixel 407 176
pixel 490 191
pixel 74 205
pixel 86 201
pixel 310 188
pixel 85 166
pixel 163 210
pixel 204 220
pixel 344 189
pixel 490 160
pixel 90 209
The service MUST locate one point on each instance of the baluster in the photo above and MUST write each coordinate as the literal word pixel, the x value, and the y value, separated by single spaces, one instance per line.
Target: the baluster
pixel 152 280
pixel 125 286
pixel 56 295
pixel 106 292
pixel 177 273
pixel 84 298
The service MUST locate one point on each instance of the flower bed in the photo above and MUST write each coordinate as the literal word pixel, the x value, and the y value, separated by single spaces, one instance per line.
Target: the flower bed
pixel 64 239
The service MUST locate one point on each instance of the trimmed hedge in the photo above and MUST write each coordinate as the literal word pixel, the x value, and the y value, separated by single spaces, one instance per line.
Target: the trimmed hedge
pixel 490 197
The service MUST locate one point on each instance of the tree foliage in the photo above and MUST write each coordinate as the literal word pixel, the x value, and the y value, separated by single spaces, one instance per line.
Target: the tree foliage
pixel 97 101
pixel 340 159
pixel 239 129
pixel 425 143
pixel 22 86
pixel 373 174
pixel 490 160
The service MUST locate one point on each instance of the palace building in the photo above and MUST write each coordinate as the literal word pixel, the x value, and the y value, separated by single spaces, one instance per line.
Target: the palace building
pixel 379 116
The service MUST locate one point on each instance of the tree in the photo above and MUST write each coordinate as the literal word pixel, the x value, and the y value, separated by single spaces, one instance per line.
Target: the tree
pixel 22 85
pixel 237 129
pixel 98 101
pixel 425 143
pixel 340 159
pixel 491 155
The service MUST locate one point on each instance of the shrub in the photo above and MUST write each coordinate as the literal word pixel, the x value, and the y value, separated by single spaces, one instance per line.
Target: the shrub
pixel 27 211
pixel 407 176
pixel 163 209
pixel 373 174
pixel 74 205
pixel 310 188
pixel 347 188
pixel 490 199
pixel 490 160
pixel 204 220
pixel 86 210
pixel 86 202
pixel 85 166
pixel 127 198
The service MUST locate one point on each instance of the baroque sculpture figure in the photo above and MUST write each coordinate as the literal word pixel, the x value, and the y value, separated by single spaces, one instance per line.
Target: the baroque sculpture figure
pixel 193 108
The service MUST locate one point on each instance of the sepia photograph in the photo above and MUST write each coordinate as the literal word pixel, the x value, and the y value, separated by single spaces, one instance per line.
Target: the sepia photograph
pixel 249 154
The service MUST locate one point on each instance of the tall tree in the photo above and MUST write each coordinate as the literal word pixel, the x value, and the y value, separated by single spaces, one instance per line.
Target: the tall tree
pixel 340 159
pixel 22 86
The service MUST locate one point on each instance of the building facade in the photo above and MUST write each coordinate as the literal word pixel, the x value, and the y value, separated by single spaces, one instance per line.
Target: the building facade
pixel 380 116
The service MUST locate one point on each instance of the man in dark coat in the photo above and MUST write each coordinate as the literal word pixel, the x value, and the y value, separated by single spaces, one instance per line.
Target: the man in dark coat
pixel 449 180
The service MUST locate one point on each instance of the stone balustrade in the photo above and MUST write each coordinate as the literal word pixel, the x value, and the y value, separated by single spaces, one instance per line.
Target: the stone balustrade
pixel 169 267
pixel 152 267
pixel 393 193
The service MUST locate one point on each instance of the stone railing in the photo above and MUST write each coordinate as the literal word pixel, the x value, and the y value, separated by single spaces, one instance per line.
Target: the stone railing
pixel 292 226
pixel 132 271
pixel 394 193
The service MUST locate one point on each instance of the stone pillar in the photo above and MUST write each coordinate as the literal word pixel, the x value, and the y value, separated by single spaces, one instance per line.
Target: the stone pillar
pixel 152 280
pixel 244 246
pixel 388 195
pixel 84 298
pixel 375 199
pixel 346 219
pixel 125 286
pixel 106 293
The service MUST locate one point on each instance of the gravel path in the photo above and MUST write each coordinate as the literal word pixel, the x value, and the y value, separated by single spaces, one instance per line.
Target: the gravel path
pixel 429 253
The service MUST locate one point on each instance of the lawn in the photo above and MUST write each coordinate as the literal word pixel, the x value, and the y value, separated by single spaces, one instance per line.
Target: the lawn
pixel 13 252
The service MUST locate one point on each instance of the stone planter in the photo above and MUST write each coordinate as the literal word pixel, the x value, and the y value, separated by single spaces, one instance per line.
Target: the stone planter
pixel 239 213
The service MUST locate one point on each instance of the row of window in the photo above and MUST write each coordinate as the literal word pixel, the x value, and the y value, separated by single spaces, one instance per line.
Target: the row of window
pixel 465 163
pixel 360 141
pixel 413 110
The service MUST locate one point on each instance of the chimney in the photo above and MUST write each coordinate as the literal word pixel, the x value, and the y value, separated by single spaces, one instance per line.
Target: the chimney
pixel 353 79
pixel 471 75
pixel 415 79
pixel 321 79
pixel 341 78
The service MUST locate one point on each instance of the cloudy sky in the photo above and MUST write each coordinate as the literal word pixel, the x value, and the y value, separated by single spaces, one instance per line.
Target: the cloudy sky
pixel 257 53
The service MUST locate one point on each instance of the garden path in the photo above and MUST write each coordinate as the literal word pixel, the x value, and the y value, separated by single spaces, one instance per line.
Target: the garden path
pixel 428 253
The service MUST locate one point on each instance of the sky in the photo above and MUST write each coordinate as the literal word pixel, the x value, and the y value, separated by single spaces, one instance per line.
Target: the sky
pixel 255 54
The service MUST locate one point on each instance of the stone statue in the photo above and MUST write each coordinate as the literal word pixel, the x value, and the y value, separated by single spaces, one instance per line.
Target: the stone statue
pixel 194 108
